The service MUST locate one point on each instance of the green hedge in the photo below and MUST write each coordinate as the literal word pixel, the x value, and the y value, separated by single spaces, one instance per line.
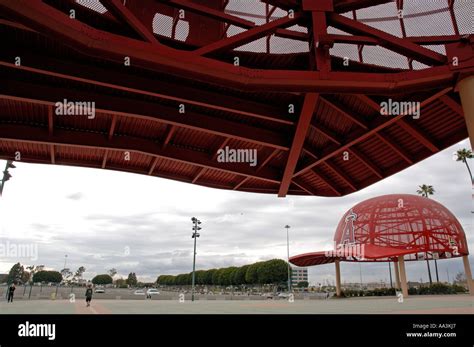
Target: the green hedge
pixel 274 271
pixel 436 288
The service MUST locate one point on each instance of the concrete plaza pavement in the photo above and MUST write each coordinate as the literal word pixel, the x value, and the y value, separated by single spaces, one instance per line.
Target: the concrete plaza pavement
pixel 432 304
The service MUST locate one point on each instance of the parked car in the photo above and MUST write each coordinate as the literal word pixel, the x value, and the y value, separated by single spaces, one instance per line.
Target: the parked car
pixel 152 291
pixel 139 292
pixel 284 295
pixel 99 290
pixel 268 295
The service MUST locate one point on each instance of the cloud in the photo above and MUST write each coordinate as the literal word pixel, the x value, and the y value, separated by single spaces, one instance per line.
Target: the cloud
pixel 141 224
pixel 75 196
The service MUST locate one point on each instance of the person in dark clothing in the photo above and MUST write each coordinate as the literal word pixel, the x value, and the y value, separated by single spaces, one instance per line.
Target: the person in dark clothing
pixel 11 291
pixel 88 295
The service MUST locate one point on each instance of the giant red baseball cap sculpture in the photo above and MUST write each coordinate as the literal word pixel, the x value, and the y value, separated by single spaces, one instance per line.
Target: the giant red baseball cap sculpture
pixel 395 227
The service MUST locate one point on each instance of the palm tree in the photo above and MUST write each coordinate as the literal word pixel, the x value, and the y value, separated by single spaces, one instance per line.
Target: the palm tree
pixel 426 191
pixel 462 155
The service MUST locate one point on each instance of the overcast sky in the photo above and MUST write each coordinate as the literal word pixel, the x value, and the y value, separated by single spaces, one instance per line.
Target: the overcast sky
pixel 134 223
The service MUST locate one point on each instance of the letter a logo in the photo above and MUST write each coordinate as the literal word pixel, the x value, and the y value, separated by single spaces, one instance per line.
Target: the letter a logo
pixel 347 236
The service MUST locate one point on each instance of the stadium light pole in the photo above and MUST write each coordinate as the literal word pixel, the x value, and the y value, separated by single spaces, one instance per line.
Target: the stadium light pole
pixel 287 227
pixel 390 273
pixel 6 174
pixel 195 235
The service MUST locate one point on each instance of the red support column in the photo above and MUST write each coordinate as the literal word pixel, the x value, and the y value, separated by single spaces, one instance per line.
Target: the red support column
pixel 309 105
pixel 320 48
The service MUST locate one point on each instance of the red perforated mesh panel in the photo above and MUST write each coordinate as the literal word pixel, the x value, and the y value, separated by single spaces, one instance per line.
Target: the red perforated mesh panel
pixel 93 5
pixel 406 222
pixel 420 18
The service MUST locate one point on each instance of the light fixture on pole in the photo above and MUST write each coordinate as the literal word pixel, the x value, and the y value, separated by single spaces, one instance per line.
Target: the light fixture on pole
pixel 195 235
pixel 288 254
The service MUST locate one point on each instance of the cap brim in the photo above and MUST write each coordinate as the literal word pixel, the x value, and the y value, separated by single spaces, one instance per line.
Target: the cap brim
pixel 370 253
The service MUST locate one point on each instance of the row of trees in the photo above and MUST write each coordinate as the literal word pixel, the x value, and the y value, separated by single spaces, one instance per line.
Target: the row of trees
pixel 108 279
pixel 36 274
pixel 273 271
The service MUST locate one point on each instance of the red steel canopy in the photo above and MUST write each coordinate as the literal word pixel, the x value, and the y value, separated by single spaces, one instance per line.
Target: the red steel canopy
pixel 173 81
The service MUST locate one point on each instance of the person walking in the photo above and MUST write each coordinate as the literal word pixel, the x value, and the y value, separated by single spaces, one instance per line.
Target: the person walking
pixel 11 291
pixel 88 295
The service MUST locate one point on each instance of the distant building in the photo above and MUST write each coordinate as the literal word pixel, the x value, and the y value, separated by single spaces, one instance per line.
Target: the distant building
pixel 298 274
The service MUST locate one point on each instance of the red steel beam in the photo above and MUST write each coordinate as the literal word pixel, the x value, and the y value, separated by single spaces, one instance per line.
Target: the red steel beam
pixel 153 165
pixel 118 9
pixel 267 159
pixel 356 137
pixel 420 155
pixel 238 185
pixel 310 151
pixel 209 12
pixel 199 174
pixel 342 6
pixel 372 41
pixel 350 39
pixel 16 25
pixel 417 134
pixel 134 84
pixel 385 138
pixel 367 162
pixel 30 134
pixel 394 43
pixel 110 136
pixel 224 142
pixel 104 159
pixel 346 113
pixel 320 51
pixel 304 186
pixel 435 39
pixel 265 162
pixel 341 175
pixel 394 146
pixel 50 120
pixel 407 127
pixel 56 24
pixel 402 27
pixel 213 156
pixel 112 126
pixel 369 102
pixel 323 130
pixel 227 18
pixel 168 135
pixel 309 105
pixel 452 104
pixel 250 35
pixel 327 181
pixel 53 157
pixel 147 110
